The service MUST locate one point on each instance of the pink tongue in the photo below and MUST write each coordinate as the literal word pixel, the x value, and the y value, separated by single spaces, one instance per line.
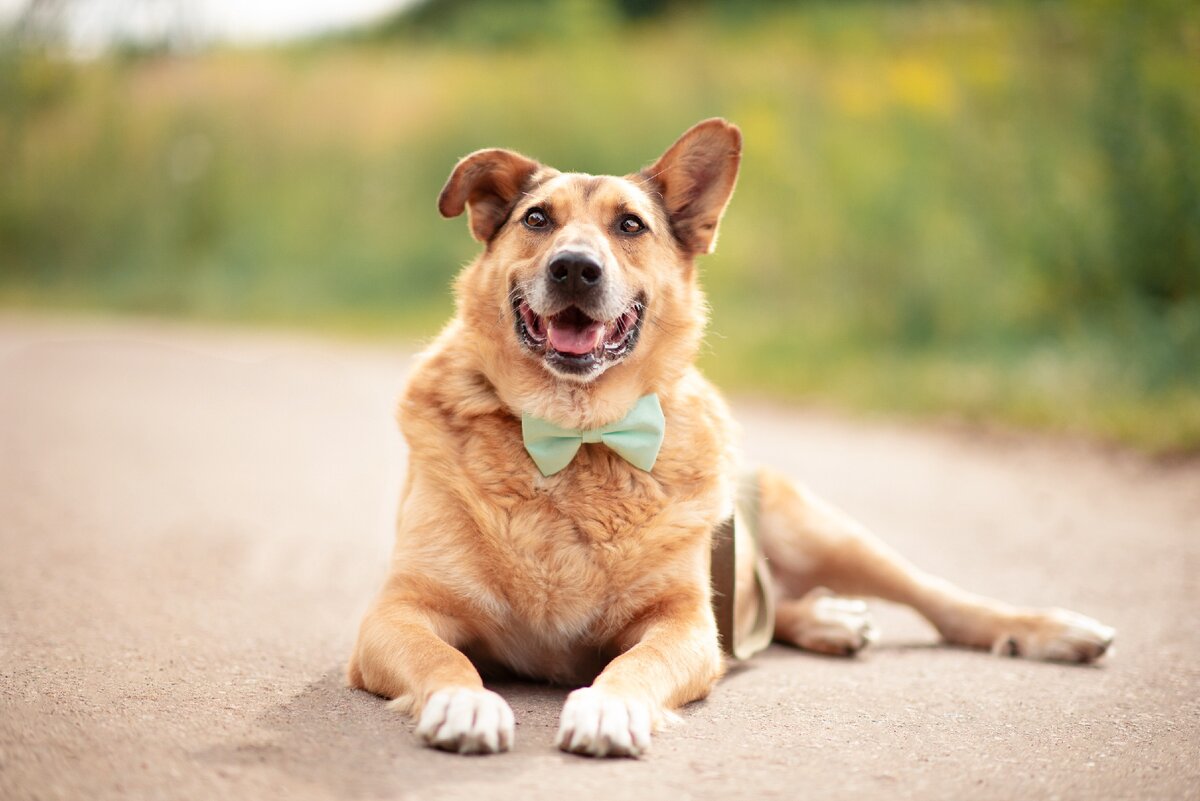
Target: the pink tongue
pixel 576 341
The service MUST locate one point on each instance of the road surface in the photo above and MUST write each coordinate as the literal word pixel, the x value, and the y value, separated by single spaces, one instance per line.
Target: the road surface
pixel 192 522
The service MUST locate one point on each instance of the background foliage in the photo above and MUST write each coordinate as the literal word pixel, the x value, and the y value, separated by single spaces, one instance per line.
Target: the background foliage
pixel 988 211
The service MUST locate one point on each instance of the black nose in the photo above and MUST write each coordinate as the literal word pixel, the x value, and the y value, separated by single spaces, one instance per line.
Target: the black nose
pixel 575 272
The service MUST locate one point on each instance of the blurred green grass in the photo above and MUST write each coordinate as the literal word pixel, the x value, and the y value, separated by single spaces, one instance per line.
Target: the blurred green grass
pixel 990 212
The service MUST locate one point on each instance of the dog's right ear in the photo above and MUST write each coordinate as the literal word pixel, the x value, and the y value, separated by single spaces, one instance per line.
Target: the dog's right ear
pixel 487 183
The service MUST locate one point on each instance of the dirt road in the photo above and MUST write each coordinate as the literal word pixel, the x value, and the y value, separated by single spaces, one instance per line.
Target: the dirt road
pixel 192 522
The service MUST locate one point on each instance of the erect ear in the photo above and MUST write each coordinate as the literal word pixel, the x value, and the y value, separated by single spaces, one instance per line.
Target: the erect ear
pixel 487 182
pixel 695 178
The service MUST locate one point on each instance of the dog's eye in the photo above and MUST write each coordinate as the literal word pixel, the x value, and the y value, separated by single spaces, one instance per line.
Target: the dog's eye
pixel 631 224
pixel 536 218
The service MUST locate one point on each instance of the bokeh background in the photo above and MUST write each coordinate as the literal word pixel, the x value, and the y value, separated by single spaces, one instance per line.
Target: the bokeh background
pixel 987 211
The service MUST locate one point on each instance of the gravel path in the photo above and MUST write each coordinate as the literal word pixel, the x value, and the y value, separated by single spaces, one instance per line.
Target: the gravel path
pixel 192 522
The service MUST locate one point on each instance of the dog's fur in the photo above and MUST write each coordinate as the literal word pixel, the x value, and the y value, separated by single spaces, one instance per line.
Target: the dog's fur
pixel 601 571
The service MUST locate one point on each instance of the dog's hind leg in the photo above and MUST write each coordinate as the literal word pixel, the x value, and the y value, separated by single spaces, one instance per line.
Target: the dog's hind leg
pixel 810 544
pixel 825 623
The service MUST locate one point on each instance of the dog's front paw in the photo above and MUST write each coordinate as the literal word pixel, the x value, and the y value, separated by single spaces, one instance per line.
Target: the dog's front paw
pixel 597 723
pixel 467 721
pixel 1057 635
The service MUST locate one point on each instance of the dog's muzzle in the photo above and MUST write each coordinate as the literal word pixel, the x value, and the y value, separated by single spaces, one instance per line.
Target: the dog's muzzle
pixel 572 341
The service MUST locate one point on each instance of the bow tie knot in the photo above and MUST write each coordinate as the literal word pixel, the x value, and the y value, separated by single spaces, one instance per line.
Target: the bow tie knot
pixel 592 435
pixel 636 438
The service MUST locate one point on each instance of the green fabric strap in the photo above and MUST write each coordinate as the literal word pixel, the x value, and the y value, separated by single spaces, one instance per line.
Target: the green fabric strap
pixel 756 632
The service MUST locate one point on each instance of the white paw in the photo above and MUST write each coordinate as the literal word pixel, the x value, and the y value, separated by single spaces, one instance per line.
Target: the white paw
pixel 601 724
pixel 1057 635
pixel 467 721
pixel 838 626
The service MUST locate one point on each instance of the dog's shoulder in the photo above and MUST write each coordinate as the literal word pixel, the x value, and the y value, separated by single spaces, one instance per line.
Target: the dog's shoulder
pixel 701 435
pixel 446 386
pixel 458 431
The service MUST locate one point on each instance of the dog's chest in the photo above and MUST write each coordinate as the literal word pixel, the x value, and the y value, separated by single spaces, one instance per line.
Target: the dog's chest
pixel 567 553
pixel 562 565
pixel 571 562
pixel 567 591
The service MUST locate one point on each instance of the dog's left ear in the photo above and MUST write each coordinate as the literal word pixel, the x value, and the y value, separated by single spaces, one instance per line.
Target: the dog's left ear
pixel 487 182
pixel 695 178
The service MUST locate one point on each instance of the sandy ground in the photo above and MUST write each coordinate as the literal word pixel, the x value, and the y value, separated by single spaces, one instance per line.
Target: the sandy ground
pixel 192 522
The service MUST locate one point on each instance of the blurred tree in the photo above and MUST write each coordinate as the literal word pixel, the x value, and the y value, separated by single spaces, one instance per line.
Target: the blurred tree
pixel 90 27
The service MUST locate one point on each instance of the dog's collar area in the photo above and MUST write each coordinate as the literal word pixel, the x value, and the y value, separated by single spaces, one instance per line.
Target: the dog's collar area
pixel 637 438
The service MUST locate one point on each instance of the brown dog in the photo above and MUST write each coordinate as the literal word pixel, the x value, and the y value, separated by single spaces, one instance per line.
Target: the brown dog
pixel 583 303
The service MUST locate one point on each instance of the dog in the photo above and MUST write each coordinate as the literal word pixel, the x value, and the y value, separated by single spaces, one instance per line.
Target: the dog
pixel 569 465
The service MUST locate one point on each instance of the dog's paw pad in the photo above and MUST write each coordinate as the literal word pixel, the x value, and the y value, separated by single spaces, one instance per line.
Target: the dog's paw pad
pixel 836 626
pixel 1056 635
pixel 600 724
pixel 466 720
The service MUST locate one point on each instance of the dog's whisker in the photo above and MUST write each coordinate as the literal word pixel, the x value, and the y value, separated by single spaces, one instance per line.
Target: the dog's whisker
pixel 657 321
pixel 502 312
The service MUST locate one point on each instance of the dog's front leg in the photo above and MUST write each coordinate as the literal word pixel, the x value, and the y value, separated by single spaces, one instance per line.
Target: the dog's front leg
pixel 402 654
pixel 675 659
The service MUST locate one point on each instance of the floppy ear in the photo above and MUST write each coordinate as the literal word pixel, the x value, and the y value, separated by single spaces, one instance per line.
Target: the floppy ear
pixel 695 178
pixel 487 182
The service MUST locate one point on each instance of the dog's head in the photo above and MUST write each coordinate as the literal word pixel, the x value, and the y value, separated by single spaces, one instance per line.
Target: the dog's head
pixel 585 276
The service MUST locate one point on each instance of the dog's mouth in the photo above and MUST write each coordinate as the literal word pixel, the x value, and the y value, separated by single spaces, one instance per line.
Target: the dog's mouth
pixel 572 342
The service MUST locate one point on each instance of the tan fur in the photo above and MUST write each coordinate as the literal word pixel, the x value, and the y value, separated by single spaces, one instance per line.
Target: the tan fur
pixel 601 568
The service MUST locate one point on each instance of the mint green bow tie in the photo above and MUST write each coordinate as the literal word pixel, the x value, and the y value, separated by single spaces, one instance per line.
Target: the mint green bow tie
pixel 636 438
